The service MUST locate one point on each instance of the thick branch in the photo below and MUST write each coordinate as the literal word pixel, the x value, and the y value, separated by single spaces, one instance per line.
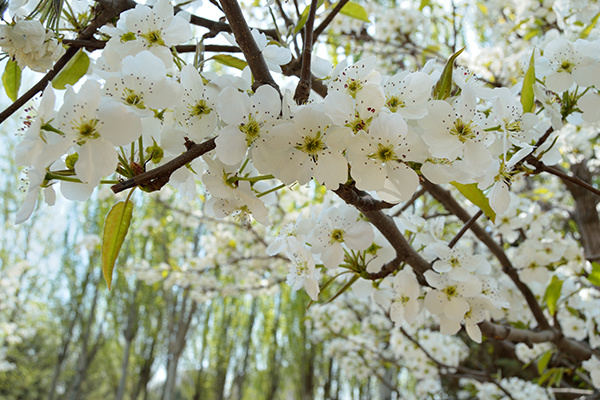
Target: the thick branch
pixel 94 44
pixel 405 253
pixel 304 86
pixel 566 178
pixel 160 175
pixel 452 205
pixel 244 38
pixel 571 347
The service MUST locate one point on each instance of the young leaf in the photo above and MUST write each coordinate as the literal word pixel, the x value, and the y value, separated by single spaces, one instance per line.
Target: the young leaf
pixel 443 86
pixel 11 79
pixel 553 294
pixel 72 72
pixel 594 276
pixel 356 11
pixel 542 363
pixel 230 61
pixel 304 17
pixel 527 95
pixel 115 228
pixel 584 33
pixel 476 196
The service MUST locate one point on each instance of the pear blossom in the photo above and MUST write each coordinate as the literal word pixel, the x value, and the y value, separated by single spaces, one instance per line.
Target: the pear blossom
pixel 338 226
pixel 458 131
pixel 30 44
pixel 565 63
pixel 449 297
pixel 407 94
pixel 95 125
pixel 302 271
pixel 247 119
pixel 303 149
pixel 593 367
pixel 274 55
pixel 405 303
pixel 379 159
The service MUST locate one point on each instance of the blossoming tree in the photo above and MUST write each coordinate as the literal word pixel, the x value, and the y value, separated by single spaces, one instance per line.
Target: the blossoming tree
pixel 457 187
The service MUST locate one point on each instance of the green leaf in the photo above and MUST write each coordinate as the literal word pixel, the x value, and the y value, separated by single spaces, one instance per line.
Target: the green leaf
pixel 356 11
pixel 553 294
pixel 444 84
pixel 476 196
pixel 115 228
pixel 72 72
pixel 542 363
pixel 594 276
pixel 230 61
pixel 527 95
pixel 424 3
pixel 548 374
pixel 304 17
pixel 584 33
pixel 11 79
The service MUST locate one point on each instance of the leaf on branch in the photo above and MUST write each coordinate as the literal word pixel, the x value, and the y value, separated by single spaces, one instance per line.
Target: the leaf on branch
pixel 527 95
pixel 11 79
pixel 542 363
pixel 443 87
pixel 230 61
pixel 73 71
pixel 553 294
pixel 115 229
pixel 594 276
pixel 304 17
pixel 584 33
pixel 476 196
pixel 356 11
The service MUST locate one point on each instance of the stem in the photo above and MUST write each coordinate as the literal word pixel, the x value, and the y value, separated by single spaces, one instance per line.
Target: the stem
pixel 270 191
pixel 304 85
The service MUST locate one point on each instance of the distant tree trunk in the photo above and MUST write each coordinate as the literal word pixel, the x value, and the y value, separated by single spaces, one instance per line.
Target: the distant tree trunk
pixel 241 374
pixel 68 335
pixel 329 382
pixel 200 374
pixel 129 334
pixel 86 355
pixel 275 356
pixel 223 353
pixel 385 388
pixel 178 328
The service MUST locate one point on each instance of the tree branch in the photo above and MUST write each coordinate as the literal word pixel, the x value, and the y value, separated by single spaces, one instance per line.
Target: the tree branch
pixel 328 19
pixel 444 197
pixel 111 9
pixel 405 253
pixel 244 38
pixel 303 89
pixel 160 175
pixel 540 166
pixel 94 44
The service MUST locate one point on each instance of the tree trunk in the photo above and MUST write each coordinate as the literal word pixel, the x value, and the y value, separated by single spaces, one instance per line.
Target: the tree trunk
pixel 241 374
pixel 200 374
pixel 177 340
pixel 129 334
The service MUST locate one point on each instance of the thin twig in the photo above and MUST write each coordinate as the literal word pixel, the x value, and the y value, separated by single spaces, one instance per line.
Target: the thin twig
pixel 540 166
pixel 465 228
pixel 410 202
pixel 160 175
pixel 304 85
pixel 328 19
pixel 245 40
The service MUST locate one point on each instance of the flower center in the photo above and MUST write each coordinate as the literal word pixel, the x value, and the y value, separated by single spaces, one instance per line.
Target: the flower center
pixel 353 86
pixel 132 98
pixel 85 129
pixel 565 66
pixel 463 130
pixel 337 235
pixel 313 145
pixel 153 38
pixel 383 153
pixel 394 103
pixel 251 130
pixel 199 109
pixel 450 291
